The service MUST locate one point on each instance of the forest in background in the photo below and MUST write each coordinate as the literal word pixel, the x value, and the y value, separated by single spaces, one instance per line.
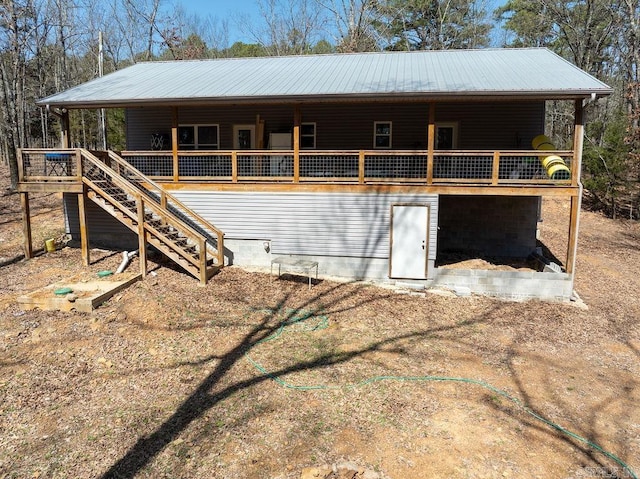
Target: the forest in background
pixel 47 46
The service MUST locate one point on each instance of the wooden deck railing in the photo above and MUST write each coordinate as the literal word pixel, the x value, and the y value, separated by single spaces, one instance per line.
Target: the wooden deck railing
pixel 448 167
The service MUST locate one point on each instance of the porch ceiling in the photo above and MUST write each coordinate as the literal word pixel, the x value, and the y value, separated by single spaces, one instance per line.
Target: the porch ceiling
pixel 531 73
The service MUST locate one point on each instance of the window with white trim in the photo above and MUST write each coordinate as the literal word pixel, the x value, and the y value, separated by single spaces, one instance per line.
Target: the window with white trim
pixel 382 134
pixel 198 137
pixel 308 136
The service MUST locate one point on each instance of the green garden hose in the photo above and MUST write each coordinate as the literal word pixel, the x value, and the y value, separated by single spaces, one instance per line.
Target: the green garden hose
pixel 310 321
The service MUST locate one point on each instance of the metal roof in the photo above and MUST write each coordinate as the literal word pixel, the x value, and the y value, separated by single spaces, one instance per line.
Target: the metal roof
pixel 527 72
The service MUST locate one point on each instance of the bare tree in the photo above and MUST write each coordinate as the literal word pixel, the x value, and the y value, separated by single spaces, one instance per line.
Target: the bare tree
pixel 290 27
pixel 16 27
pixel 141 23
pixel 353 26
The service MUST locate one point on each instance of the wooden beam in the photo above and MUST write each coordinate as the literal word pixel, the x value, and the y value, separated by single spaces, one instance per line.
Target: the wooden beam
pixel 84 229
pixel 203 262
pixel 26 225
pixel 495 171
pixel 20 165
pixel 234 167
pixel 174 142
pixel 259 133
pixel 297 120
pixel 65 133
pixel 574 223
pixel 50 187
pixel 142 237
pixel 578 140
pixel 565 191
pixel 431 141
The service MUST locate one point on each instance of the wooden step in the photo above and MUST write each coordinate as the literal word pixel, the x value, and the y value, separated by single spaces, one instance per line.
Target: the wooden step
pixel 167 238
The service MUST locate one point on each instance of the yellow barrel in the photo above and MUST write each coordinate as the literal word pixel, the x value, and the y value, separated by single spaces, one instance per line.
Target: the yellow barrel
pixel 50 245
pixel 542 142
pixel 551 160
pixel 555 166
pixel 559 172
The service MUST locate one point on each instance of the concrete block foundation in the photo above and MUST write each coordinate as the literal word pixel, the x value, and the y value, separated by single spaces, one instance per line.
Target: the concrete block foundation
pixel 516 285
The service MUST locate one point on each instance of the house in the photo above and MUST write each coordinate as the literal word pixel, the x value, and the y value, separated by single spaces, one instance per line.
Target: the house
pixel 375 165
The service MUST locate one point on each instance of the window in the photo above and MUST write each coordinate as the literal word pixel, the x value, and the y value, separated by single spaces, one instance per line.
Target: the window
pixel 382 134
pixel 198 137
pixel 308 136
pixel 446 135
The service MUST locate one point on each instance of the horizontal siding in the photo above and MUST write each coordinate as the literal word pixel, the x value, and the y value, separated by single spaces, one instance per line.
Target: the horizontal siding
pixel 330 224
pixel 104 229
pixel 350 126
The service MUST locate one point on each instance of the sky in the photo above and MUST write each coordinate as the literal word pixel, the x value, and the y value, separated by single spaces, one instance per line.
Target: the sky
pixel 248 11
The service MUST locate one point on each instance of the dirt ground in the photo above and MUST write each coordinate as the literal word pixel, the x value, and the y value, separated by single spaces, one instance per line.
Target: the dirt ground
pixel 251 377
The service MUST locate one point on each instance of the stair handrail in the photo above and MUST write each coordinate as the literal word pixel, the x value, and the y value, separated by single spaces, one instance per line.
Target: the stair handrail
pixel 166 198
pixel 149 200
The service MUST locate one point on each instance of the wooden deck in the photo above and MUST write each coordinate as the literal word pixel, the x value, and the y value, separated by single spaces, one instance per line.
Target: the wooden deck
pixel 519 172
pixel 457 172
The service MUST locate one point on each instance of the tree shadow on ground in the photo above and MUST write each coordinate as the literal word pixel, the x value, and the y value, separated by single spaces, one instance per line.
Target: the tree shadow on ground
pixel 209 392
pixel 205 396
pixel 586 442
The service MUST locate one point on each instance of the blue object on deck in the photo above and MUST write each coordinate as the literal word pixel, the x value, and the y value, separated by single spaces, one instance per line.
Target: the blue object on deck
pixel 57 164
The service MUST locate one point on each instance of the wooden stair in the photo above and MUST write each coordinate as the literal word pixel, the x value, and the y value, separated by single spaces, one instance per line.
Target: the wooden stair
pixel 148 210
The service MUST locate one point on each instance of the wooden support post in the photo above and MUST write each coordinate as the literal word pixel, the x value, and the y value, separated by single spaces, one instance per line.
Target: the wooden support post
pixel 174 142
pixel 361 169
pixel 578 140
pixel 259 133
pixel 26 225
pixel 234 166
pixel 297 119
pixel 65 136
pixel 220 249
pixel 84 229
pixel 574 224
pixel 576 201
pixel 79 172
pixel 496 168
pixel 431 141
pixel 21 170
pixel 142 237
pixel 203 262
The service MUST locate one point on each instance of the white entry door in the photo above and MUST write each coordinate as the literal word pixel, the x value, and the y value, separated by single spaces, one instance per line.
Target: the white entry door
pixel 409 241
pixel 244 137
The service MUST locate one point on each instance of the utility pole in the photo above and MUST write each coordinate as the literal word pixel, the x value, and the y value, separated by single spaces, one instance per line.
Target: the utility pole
pixel 103 113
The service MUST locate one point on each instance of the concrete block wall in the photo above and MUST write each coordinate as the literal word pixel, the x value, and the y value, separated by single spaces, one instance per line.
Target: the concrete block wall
pixel 499 226
pixel 508 284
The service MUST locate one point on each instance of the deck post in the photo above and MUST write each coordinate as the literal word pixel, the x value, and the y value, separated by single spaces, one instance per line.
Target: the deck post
pixel 26 225
pixel 578 140
pixel 495 170
pixel 65 140
pixel 576 201
pixel 296 144
pixel 234 166
pixel 431 141
pixel 142 237
pixel 203 262
pixel 174 142
pixel 574 223
pixel 84 230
